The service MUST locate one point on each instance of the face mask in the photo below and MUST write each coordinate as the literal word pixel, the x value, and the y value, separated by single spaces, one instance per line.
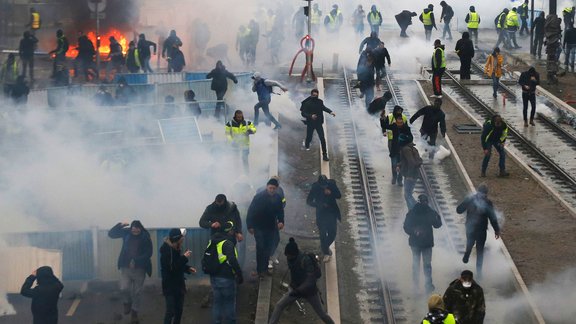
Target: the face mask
pixel 466 284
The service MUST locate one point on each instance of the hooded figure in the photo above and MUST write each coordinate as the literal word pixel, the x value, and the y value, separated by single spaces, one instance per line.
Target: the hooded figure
pixel 529 80
pixel 374 18
pixel 44 296
pixel 446 15
pixel 465 299
pixel 465 50
pixel 170 47
pixel 219 84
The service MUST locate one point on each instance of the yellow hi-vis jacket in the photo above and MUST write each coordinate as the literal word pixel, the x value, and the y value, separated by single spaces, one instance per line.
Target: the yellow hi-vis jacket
pixel 512 20
pixel 391 121
pixel 238 133
pixel 333 20
pixel 473 20
pixel 499 25
pixel 448 320
pixel 434 63
pixel 374 18
pixel 35 21
pixel 427 18
pixel 315 17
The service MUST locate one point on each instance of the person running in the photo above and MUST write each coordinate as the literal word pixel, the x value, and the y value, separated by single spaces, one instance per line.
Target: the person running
pixel 264 89
pixel 219 85
pixel 313 110
pixel 433 117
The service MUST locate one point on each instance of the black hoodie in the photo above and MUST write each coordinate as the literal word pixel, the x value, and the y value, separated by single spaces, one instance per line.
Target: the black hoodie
pixel 314 106
pixel 222 214
pixel 173 265
pixel 419 223
pixel 44 296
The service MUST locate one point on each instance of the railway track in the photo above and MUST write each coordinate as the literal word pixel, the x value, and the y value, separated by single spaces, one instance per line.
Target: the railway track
pixel 547 149
pixel 379 209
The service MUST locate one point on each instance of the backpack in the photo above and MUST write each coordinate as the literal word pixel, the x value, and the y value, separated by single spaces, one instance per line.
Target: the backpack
pixel 315 262
pixel 210 263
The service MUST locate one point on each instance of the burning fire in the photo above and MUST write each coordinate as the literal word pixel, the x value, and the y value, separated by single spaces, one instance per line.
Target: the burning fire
pixel 104 43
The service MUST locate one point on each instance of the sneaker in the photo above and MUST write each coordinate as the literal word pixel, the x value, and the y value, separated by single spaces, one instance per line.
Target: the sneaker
pixel 307 148
pixel 400 184
pixel 277 127
pixel 525 123
pixel 433 96
pixel 270 265
pixel 276 261
pixel 439 96
pixel 494 95
pixel 326 258
pixel 483 174
pixel 532 123
pixel 393 180
pixel 361 95
pixel 503 173
pixel 325 157
pixel 465 258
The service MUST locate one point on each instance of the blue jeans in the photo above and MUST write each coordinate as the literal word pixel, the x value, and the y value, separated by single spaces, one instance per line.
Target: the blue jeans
pixel 426 255
pixel 394 160
pixel 409 184
pixel 145 62
pixel 495 83
pixel 224 304
pixel 570 56
pixel 265 243
pixel 501 162
pixel 447 30
pixel 476 237
pixel 264 104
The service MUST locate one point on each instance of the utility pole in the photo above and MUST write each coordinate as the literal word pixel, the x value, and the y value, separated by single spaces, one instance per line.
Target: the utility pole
pixel 308 45
pixel 553 7
pixel 532 49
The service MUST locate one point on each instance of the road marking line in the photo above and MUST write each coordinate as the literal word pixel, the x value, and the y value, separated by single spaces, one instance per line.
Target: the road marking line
pixel 332 294
pixel 73 307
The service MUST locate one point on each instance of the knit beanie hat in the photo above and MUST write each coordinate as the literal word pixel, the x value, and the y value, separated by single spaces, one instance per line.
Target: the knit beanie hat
pixel 175 235
pixel 291 247
pixel 435 302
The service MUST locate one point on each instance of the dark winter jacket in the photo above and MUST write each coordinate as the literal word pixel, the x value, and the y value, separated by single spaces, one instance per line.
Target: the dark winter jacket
pixel 381 55
pixel 173 266
pixel 467 304
pixel 169 44
pixel 419 223
pixel 465 47
pixel 370 42
pixel 265 211
pixel 569 37
pixel 432 117
pixel 27 47
pixel 525 80
pixel 314 106
pixel 144 48
pixel 447 14
pixel 479 210
pixel 85 48
pixel 538 26
pixel 221 214
pixel 230 268
pixel 393 145
pixel 404 18
pixel 365 71
pixel 302 275
pixel 44 296
pixel 408 165
pixel 178 60
pixel 219 82
pixel 325 204
pixel 142 260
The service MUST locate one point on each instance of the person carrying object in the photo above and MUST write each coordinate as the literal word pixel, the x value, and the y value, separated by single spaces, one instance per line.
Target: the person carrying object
pixel 304 274
pixel 134 263
pixel 264 89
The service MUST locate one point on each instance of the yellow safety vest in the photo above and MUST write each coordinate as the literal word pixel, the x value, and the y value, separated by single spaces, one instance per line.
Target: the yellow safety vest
pixel 473 20
pixel 512 19
pixel 426 18
pixel 524 10
pixel 502 137
pixel 35 20
pixel 244 34
pixel 221 256
pixel 315 17
pixel 10 73
pixel 391 119
pixel 448 320
pixel 443 63
pixel 332 23
pixel 237 133
pixel 499 25
pixel 374 18
pixel 567 10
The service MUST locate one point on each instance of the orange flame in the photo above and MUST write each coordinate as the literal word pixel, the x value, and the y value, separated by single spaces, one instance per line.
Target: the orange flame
pixel 104 43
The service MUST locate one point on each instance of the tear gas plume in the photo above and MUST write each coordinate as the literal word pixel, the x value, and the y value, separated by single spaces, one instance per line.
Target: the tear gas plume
pixel 5 307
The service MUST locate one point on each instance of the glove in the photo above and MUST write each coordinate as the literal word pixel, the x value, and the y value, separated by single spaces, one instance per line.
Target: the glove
pixel 239 279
